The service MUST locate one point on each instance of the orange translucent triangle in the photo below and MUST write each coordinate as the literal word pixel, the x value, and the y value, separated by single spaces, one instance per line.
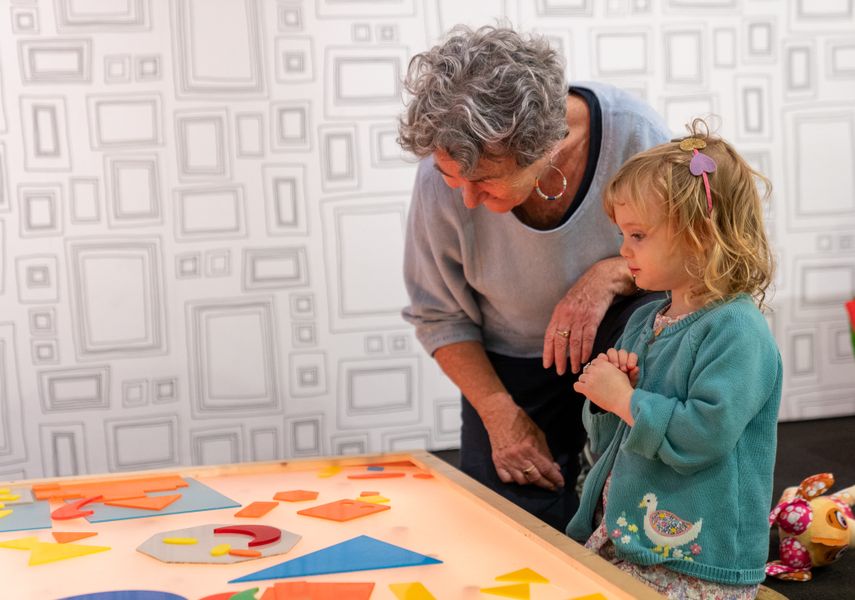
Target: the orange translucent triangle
pixel 343 510
pixel 146 502
pixel 304 590
pixel 256 509
pixel 63 537
pixel 520 591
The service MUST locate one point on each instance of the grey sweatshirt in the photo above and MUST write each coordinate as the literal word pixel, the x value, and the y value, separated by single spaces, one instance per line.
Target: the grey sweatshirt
pixel 473 274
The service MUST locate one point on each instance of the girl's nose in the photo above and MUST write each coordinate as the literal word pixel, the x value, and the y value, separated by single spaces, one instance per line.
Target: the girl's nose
pixel 624 249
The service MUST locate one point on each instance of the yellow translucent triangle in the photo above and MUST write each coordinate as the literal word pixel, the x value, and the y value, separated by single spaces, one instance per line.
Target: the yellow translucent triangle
pixel 9 497
pixel 523 576
pixel 596 596
pixel 411 591
pixel 329 471
pixel 27 543
pixel 374 499
pixel 4 513
pixel 46 552
pixel 522 591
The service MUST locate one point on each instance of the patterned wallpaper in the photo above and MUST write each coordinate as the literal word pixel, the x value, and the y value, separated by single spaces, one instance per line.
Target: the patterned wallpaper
pixel 202 211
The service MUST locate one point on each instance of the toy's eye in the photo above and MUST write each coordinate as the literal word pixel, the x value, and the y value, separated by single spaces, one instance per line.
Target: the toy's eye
pixel 836 519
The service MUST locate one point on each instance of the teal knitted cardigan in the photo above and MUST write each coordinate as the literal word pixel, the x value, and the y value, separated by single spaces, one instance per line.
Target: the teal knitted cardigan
pixel 691 480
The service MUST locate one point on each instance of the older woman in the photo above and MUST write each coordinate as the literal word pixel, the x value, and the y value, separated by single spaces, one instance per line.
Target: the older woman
pixel 510 262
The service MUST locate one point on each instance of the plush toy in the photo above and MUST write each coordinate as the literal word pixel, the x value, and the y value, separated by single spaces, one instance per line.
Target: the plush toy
pixel 814 530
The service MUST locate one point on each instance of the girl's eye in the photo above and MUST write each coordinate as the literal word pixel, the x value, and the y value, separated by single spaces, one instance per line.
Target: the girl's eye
pixel 637 236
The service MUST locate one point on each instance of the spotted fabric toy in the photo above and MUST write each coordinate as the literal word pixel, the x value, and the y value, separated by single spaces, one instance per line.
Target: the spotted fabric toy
pixel 814 530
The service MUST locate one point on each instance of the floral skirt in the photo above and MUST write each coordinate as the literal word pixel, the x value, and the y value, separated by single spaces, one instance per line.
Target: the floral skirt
pixel 676 586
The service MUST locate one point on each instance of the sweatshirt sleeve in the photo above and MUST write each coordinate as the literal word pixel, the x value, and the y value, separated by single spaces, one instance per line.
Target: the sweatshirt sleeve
pixel 644 127
pixel 442 305
pixel 647 130
pixel 736 371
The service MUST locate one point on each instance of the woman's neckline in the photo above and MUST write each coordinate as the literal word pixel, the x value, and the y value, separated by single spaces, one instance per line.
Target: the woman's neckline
pixel 544 215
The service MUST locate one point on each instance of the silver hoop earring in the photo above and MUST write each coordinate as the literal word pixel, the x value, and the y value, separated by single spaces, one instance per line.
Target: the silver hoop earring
pixel 547 196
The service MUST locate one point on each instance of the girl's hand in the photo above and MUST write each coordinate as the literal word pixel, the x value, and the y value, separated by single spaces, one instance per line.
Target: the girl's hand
pixel 625 361
pixel 607 386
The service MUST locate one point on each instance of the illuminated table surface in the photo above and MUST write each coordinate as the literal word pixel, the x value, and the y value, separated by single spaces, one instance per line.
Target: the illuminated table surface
pixel 477 534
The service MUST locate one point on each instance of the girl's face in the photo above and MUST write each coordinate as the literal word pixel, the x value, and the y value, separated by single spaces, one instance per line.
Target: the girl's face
pixel 499 185
pixel 655 258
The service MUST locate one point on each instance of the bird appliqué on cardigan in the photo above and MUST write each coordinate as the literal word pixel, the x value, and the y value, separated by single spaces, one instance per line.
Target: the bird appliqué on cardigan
pixel 666 530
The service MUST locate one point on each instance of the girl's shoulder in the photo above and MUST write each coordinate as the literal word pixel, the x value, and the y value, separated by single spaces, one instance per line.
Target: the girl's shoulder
pixel 737 318
pixel 738 311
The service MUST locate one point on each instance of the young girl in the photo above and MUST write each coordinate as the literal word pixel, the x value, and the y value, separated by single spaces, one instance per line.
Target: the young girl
pixel 684 413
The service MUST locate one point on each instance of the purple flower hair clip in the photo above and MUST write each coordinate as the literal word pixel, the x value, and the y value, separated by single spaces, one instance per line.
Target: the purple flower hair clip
pixel 700 165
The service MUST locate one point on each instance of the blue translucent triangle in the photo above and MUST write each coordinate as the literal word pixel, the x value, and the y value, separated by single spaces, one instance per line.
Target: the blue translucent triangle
pixel 362 553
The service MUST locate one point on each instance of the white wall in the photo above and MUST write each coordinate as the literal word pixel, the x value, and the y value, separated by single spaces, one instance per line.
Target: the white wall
pixel 202 211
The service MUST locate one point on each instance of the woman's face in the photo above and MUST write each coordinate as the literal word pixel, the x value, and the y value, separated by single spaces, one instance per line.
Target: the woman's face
pixel 500 185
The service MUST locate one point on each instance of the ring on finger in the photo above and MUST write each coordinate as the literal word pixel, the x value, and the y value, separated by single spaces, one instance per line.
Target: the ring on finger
pixel 527 471
pixel 565 333
pixel 585 368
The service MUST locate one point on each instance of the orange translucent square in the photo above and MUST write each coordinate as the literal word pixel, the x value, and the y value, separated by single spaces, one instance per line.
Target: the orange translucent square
pixel 256 509
pixel 295 496
pixel 343 510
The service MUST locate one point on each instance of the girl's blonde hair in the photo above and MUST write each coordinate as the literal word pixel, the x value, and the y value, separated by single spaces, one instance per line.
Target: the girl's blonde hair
pixel 729 249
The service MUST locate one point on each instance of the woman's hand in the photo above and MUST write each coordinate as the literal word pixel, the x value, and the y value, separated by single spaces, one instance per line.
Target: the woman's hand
pixel 573 326
pixel 607 386
pixel 520 452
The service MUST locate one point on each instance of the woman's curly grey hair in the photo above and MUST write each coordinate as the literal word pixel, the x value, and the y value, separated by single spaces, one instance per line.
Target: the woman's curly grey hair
pixel 485 93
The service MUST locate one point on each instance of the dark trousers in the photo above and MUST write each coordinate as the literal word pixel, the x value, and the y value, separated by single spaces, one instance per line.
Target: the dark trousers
pixel 552 404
